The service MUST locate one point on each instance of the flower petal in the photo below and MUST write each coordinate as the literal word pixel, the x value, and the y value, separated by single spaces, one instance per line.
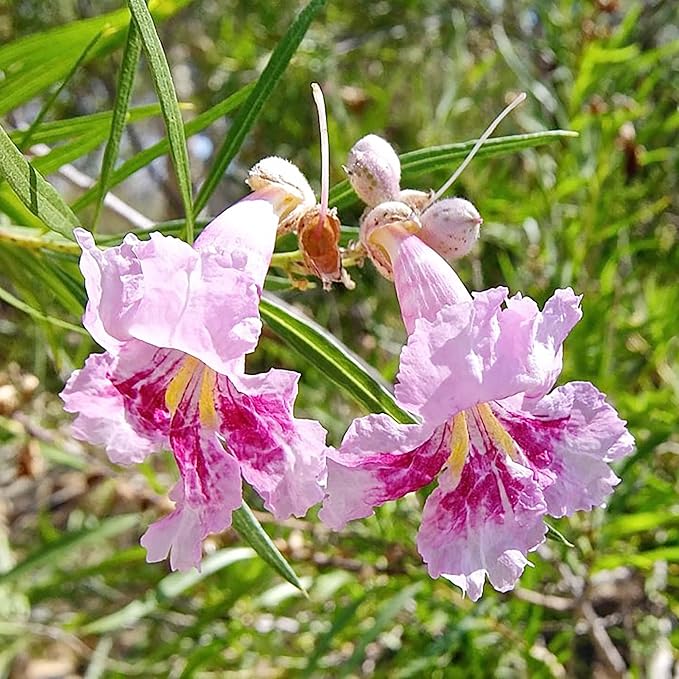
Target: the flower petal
pixel 569 437
pixel 248 231
pixel 111 282
pixel 281 456
pixel 477 351
pixel 102 416
pixel 381 460
pixel 482 524
pixel 210 486
pixel 424 280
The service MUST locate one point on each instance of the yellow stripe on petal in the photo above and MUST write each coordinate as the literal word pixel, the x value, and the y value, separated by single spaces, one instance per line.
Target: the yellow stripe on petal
pixel 496 431
pixel 208 412
pixel 459 445
pixel 178 384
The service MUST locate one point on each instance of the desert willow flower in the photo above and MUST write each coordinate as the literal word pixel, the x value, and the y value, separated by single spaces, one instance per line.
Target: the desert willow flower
pixel 450 226
pixel 176 322
pixel 317 226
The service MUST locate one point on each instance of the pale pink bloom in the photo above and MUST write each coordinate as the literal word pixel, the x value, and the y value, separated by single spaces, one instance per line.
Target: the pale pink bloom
pixel 507 448
pixel 176 322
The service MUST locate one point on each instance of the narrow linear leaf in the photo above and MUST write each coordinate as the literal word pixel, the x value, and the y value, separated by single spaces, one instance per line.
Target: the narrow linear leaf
pixel 167 96
pixel 10 299
pixel 143 158
pixel 28 135
pixel 245 522
pixel 128 68
pixel 266 83
pixel 336 361
pixel 167 589
pixel 49 554
pixel 421 161
pixel 34 191
pixel 56 130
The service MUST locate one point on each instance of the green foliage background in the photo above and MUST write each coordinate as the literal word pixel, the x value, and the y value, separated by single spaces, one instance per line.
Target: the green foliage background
pixel 597 212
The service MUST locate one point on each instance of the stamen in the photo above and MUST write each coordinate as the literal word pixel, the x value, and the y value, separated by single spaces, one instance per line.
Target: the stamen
pixel 325 152
pixel 482 139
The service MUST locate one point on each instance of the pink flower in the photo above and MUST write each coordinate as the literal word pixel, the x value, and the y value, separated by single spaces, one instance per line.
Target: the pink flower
pixel 478 371
pixel 176 322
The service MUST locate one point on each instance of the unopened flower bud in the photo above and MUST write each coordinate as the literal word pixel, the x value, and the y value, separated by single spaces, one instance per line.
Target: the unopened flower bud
pixel 374 170
pixel 451 227
pixel 384 216
pixel 283 184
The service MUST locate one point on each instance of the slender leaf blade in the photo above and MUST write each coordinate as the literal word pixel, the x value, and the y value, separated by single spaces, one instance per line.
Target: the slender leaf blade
pixel 245 522
pixel 432 158
pixel 336 361
pixel 34 191
pixel 271 74
pixel 128 69
pixel 143 158
pixel 167 96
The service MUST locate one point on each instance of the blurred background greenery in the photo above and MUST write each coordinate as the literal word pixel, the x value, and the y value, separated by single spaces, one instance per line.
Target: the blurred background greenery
pixel 597 212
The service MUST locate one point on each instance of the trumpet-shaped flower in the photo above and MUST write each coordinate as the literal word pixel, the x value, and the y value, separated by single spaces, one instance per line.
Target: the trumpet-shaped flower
pixel 176 322
pixel 506 447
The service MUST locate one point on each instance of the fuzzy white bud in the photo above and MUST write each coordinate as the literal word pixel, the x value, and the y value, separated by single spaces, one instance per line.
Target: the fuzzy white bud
pixel 451 227
pixel 374 170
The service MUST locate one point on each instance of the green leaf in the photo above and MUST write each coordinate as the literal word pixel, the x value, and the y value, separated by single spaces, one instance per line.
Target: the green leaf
pixel 167 96
pixel 271 74
pixel 167 589
pixel 432 158
pixel 245 522
pixel 128 68
pixel 143 158
pixel 10 299
pixel 338 363
pixel 34 191
pixel 28 135
pixel 50 553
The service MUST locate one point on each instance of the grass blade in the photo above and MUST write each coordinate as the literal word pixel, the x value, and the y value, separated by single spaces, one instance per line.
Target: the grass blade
pixel 432 158
pixel 128 68
pixel 143 158
pixel 341 366
pixel 167 96
pixel 167 589
pixel 245 522
pixel 34 191
pixel 50 553
pixel 271 74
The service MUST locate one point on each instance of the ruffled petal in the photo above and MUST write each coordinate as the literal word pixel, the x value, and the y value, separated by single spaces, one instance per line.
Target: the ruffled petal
pixel 569 438
pixel 281 456
pixel 210 486
pixel 478 351
pixel 381 460
pixel 102 416
pixel 164 292
pixel 482 523
pixel 248 231
pixel 111 280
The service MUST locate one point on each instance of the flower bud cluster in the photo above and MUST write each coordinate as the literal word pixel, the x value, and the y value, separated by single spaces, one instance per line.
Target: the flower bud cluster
pixel 449 226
